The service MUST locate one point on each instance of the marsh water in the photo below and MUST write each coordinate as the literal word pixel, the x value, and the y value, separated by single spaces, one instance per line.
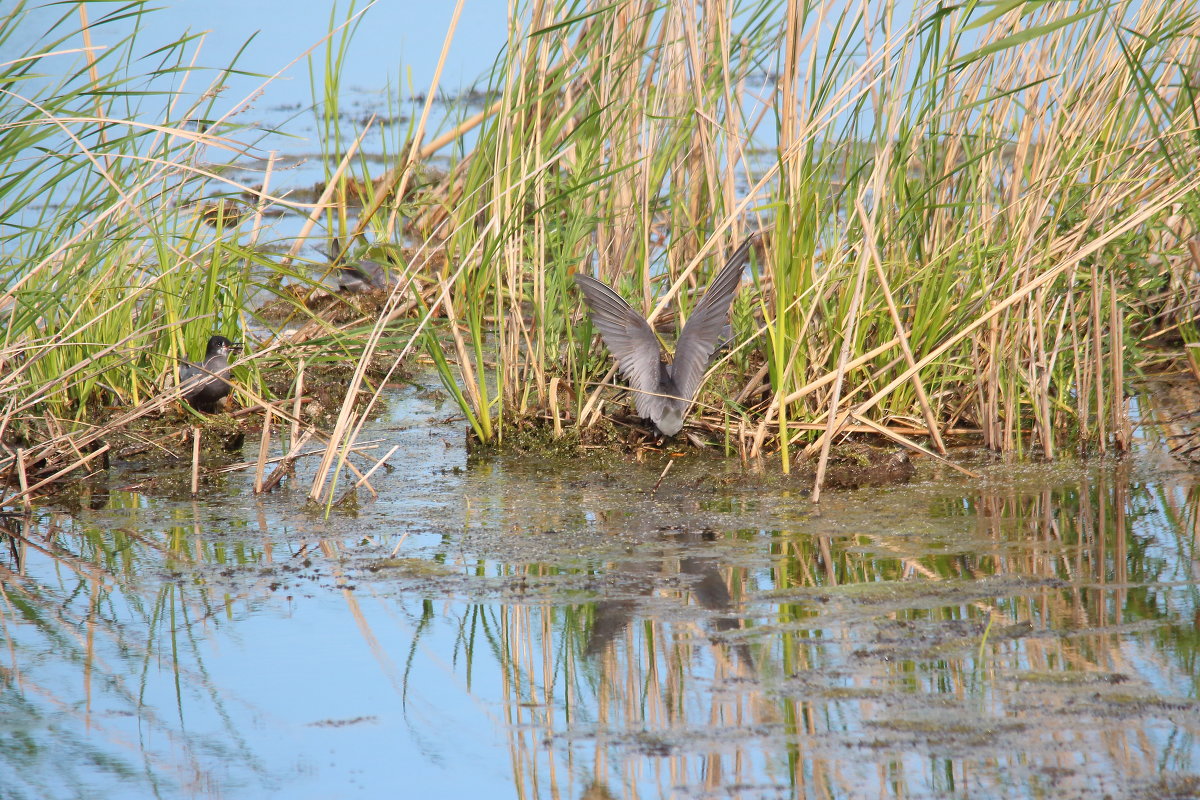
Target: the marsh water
pixel 552 627
pixel 555 627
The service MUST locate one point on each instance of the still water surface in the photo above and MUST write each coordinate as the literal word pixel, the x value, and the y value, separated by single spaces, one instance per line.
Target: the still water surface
pixel 528 628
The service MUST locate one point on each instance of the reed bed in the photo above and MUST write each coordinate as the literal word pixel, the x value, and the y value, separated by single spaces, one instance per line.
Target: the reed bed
pixel 975 219
pixel 966 214
pixel 127 245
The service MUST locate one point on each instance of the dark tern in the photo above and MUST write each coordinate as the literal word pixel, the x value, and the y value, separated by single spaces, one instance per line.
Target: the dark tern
pixel 204 385
pixel 365 275
pixel 663 392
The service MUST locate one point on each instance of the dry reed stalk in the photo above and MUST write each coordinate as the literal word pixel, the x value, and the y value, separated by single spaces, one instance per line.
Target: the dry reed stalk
pixel 507 165
pixel 775 407
pixel 363 480
pixel 94 75
pixel 836 419
pixel 297 396
pixel 1116 327
pixel 901 334
pixel 992 420
pixel 658 482
pixel 379 463
pixel 23 480
pixel 264 444
pixel 522 377
pixel 828 378
pixel 361 448
pixel 812 386
pixel 388 179
pixel 591 409
pixel 755 386
pixel 903 441
pixel 1052 358
pixel 541 194
pixel 554 414
pixel 195 460
pixel 285 463
pixel 1079 365
pixel 260 205
pixel 899 427
pixel 1098 361
pixel 28 493
pixel 401 183
pixel 323 203
pixel 457 132
pixel 701 159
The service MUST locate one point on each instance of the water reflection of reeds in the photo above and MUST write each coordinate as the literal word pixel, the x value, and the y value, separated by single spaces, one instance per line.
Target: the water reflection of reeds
pixel 96 625
pixel 1019 641
pixel 1048 649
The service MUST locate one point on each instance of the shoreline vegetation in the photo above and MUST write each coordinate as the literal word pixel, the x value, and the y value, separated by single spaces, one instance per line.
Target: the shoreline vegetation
pixel 977 226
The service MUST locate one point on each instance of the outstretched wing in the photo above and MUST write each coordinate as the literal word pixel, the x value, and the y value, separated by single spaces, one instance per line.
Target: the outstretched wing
pixel 630 340
pixel 703 329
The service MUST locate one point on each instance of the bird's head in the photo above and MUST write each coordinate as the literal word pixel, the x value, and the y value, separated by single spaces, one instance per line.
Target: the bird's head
pixel 220 346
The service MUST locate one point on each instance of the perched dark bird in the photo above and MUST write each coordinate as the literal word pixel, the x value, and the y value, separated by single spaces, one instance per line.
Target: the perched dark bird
pixel 205 384
pixel 365 275
pixel 663 392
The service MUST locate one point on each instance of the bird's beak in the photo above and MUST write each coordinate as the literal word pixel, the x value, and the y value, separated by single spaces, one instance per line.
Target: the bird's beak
pixel 236 346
